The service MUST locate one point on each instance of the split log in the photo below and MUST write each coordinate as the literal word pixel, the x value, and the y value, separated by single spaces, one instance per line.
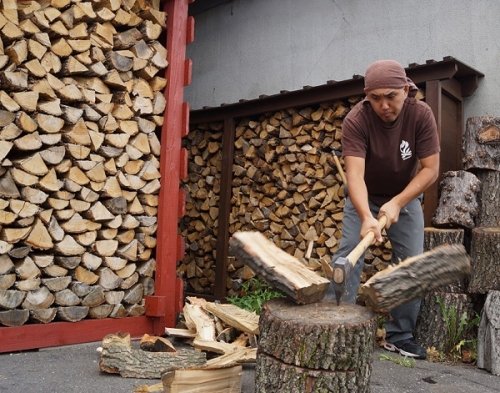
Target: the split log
pixel 156 344
pixel 458 202
pixel 44 315
pixel 227 379
pixel 432 329
pixel 489 214
pixel 118 357
pixel 485 257
pixel 291 357
pixel 279 269
pixel 11 299
pixel 488 342
pixel 234 316
pixel 416 276
pixel 14 317
pixel 480 143
pixel 72 313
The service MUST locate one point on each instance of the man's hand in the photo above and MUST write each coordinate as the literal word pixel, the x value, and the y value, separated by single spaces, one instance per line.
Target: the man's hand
pixel 391 210
pixel 370 224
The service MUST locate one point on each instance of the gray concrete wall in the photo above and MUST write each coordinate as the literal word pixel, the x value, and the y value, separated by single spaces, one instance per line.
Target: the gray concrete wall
pixel 245 48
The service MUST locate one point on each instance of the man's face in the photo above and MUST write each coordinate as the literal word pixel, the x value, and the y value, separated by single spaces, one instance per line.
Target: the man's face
pixel 387 103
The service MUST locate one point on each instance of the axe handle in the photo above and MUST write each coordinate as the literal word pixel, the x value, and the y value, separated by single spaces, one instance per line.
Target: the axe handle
pixel 366 242
pixel 340 169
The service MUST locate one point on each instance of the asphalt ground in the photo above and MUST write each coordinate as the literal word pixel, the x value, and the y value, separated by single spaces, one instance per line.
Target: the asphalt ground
pixel 74 368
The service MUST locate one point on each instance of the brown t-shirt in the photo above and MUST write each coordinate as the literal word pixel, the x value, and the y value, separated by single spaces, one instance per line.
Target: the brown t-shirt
pixel 391 152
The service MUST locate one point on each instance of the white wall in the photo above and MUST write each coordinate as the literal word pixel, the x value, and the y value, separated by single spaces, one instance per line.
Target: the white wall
pixel 245 48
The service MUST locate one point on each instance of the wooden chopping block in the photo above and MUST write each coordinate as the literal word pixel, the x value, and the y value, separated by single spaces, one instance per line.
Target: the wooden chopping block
pixel 318 347
pixel 278 268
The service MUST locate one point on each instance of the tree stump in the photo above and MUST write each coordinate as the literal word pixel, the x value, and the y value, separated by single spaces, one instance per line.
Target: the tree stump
pixel 458 203
pixel 432 328
pixel 434 237
pixel 481 143
pixel 319 347
pixel 488 342
pixel 485 257
pixel 489 213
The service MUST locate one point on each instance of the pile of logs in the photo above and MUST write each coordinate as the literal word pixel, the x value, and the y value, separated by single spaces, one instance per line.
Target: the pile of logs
pixel 223 333
pixel 468 208
pixel 285 185
pixel 81 100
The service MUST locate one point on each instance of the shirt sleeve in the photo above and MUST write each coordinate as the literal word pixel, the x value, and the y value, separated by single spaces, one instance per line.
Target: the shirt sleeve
pixel 427 142
pixel 354 142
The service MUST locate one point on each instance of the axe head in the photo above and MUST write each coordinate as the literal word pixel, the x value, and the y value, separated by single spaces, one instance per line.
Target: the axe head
pixel 342 268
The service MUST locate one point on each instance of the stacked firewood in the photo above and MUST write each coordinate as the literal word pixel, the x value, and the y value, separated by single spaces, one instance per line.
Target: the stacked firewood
pixel 285 184
pixel 81 101
pixel 200 223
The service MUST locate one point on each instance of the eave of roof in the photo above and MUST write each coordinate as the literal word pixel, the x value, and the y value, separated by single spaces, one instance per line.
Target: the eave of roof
pixel 432 70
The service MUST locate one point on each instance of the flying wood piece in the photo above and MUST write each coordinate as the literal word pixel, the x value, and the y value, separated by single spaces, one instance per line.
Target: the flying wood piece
pixel 278 268
pixel 415 276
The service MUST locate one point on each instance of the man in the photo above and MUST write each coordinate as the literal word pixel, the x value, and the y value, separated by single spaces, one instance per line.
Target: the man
pixel 391 153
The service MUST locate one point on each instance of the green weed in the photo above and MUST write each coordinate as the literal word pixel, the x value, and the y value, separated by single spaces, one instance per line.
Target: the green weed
pixel 459 329
pixel 254 293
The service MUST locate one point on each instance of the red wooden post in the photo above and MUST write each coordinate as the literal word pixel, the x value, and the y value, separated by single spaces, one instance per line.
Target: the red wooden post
pixel 166 301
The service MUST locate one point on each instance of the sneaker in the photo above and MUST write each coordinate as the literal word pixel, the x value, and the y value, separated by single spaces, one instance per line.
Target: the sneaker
pixel 407 347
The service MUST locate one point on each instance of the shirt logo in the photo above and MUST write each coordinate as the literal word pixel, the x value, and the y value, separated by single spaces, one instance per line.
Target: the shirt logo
pixel 404 148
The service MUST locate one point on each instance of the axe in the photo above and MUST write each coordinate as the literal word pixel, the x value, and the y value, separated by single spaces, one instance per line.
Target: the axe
pixel 343 266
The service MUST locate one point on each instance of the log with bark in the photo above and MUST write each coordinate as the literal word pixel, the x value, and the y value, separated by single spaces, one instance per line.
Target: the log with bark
pixel 481 143
pixel 118 357
pixel 434 237
pixel 485 257
pixel 415 276
pixel 488 342
pixel 458 201
pixel 82 100
pixel 489 213
pixel 433 327
pixel 292 356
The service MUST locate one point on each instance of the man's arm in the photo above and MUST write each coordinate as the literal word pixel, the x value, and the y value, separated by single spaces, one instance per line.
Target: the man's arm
pixel 427 175
pixel 358 193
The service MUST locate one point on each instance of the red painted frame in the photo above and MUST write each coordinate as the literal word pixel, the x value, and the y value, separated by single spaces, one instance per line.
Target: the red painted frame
pixel 162 308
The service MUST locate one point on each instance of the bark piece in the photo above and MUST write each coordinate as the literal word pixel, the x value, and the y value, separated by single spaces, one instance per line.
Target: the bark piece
pixel 485 257
pixel 291 356
pixel 481 143
pixel 279 269
pixel 458 202
pixel 415 276
pixel 118 357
